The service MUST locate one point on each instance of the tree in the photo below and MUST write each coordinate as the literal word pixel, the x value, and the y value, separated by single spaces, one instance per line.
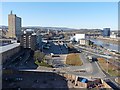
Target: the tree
pixel 38 56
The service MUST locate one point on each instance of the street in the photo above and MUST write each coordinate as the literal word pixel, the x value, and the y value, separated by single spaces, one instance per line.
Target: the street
pixel 87 70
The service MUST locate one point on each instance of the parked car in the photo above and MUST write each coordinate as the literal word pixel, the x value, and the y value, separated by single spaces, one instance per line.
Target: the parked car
pixel 55 56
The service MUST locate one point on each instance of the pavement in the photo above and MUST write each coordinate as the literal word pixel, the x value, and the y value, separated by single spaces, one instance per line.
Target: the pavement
pixel 58 62
pixel 91 69
pixel 87 70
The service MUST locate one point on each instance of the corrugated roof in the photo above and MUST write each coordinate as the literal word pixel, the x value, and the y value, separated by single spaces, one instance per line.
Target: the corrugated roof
pixel 8 47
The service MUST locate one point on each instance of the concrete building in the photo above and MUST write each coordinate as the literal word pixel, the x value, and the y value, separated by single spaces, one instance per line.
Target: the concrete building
pixel 113 35
pixel 14 26
pixel 106 32
pixel 3 33
pixel 8 51
pixel 28 40
pixel 4 42
pixel 85 42
pixel 77 37
pixel 39 40
pixel 89 43
pixel 82 42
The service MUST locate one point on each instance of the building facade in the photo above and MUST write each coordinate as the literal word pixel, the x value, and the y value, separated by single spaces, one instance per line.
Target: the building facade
pixel 82 42
pixel 3 33
pixel 14 26
pixel 4 42
pixel 79 36
pixel 7 51
pixel 28 40
pixel 39 40
pixel 86 42
pixel 113 35
pixel 106 32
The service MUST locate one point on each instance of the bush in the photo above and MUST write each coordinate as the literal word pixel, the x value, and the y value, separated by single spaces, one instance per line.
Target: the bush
pixel 42 63
pixel 39 55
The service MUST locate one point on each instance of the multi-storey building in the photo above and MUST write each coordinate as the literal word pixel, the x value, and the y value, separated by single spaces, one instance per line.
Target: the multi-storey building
pixel 28 40
pixel 7 51
pixel 14 26
pixel 106 32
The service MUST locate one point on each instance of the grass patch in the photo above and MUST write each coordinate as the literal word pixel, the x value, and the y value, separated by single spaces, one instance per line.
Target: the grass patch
pixel 73 59
pixel 42 63
pixel 38 55
pixel 108 67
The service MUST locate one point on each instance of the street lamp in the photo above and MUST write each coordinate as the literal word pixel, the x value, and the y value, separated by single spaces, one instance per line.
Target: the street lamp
pixel 42 48
pixel 107 65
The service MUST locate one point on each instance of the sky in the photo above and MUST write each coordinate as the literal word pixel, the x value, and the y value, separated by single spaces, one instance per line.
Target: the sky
pixel 79 15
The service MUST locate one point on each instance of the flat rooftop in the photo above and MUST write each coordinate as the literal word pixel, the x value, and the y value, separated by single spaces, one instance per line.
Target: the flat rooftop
pixel 8 47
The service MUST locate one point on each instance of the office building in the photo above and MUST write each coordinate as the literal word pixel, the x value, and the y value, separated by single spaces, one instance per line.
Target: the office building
pixel 39 39
pixel 14 26
pixel 28 40
pixel 106 32
pixel 79 36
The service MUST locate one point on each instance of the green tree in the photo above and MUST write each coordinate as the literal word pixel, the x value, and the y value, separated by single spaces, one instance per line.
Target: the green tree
pixel 38 56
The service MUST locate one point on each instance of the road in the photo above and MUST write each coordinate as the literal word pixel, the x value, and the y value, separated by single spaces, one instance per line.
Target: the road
pixel 56 48
pixel 97 68
pixel 14 58
pixel 87 70
pixel 95 53
pixel 99 55
pixel 91 69
pixel 23 61
pixel 58 62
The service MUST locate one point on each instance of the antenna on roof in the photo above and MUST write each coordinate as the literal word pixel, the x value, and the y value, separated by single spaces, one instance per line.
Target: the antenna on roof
pixel 11 12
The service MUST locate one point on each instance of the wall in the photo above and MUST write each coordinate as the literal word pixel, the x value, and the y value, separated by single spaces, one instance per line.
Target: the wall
pixel 105 84
pixel 6 55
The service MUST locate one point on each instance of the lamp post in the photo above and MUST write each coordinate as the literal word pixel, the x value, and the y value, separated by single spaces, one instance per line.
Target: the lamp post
pixel 107 65
pixel 42 48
